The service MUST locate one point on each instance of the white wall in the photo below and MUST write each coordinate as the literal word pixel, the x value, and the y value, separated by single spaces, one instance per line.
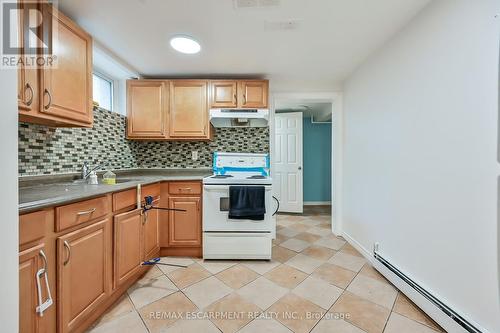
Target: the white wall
pixel 113 67
pixel 8 202
pixel 420 171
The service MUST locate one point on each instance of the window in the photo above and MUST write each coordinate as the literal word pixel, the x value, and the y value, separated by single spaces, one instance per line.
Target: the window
pixel 103 91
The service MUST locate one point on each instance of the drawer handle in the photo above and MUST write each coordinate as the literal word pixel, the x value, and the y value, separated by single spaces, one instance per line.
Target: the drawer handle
pixel 185 189
pixel 42 306
pixel 86 212
pixel 66 245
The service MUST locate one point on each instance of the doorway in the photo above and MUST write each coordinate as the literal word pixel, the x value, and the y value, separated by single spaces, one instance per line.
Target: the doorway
pixel 306 152
pixel 303 149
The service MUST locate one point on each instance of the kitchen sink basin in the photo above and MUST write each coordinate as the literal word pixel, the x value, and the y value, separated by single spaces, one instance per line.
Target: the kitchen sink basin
pixel 124 180
pixel 79 182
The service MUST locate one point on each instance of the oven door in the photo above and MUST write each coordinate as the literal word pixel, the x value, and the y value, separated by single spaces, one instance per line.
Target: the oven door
pixel 216 212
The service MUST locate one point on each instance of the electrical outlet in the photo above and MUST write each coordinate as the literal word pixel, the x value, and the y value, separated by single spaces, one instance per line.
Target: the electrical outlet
pixel 194 155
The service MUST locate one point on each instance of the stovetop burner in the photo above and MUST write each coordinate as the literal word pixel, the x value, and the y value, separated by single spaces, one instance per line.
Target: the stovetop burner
pixel 257 177
pixel 221 176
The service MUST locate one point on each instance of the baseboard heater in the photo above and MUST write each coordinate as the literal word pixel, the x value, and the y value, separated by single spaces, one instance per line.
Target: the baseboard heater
pixel 443 307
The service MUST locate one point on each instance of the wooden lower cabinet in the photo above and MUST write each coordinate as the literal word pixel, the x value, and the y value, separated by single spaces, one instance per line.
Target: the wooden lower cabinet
pixel 151 232
pixel 84 273
pixel 128 245
pixel 184 228
pixel 30 262
pixel 90 264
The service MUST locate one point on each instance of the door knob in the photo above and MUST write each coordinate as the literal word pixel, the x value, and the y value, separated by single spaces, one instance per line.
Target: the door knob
pixel 300 168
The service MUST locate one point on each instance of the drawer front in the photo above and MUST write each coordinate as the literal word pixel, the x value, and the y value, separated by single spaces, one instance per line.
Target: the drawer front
pixel 187 188
pixel 32 226
pixel 237 246
pixel 124 199
pixel 81 212
pixel 151 190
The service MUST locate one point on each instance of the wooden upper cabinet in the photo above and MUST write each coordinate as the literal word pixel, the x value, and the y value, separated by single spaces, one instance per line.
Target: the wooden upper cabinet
pixel 84 273
pixel 223 94
pixel 184 228
pixel 67 87
pixel 179 109
pixel 189 109
pixel 253 94
pixel 28 94
pixel 147 109
pixel 59 94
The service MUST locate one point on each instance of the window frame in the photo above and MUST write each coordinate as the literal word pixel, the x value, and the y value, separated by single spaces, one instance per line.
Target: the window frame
pixel 112 88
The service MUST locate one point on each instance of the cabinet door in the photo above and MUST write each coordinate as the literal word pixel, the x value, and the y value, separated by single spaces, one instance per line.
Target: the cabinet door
pixel 184 228
pixel 151 233
pixel 128 245
pixel 83 273
pixel 28 94
pixel 253 94
pixel 67 86
pixel 188 109
pixel 223 94
pixel 147 109
pixel 30 262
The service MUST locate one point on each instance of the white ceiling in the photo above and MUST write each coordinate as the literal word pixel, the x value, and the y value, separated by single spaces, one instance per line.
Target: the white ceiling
pixel 320 111
pixel 330 39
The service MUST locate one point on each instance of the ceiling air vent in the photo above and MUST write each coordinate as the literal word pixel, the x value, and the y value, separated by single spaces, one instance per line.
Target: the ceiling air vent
pixel 242 4
pixel 281 25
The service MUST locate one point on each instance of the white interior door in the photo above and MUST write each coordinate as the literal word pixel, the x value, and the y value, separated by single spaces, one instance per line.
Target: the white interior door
pixel 287 177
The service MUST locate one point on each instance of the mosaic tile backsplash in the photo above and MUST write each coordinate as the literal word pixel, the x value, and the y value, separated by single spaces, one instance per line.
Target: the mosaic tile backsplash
pixel 45 150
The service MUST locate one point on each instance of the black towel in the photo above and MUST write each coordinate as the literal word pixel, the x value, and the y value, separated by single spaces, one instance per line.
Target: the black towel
pixel 247 202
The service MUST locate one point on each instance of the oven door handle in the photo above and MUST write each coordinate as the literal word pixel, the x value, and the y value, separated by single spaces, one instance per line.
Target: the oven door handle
pixel 278 205
pixel 226 187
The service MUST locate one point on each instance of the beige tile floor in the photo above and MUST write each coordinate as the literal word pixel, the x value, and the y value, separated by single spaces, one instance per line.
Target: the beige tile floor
pixel 315 282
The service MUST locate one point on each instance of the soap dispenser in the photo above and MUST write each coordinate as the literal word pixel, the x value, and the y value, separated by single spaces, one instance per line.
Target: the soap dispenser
pixel 93 178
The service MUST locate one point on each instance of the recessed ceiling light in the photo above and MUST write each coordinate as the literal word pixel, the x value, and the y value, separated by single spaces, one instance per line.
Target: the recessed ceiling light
pixel 185 44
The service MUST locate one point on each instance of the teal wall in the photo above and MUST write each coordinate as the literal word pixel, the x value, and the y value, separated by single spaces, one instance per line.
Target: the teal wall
pixel 317 161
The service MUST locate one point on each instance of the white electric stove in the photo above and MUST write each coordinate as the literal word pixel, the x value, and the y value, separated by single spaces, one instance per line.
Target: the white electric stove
pixel 225 238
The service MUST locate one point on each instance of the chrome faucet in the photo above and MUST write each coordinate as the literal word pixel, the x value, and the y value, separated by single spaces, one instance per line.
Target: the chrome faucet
pixel 85 170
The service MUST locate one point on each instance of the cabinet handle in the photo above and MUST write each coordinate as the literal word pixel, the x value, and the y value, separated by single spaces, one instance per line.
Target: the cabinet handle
pixel 244 99
pixel 44 258
pixel 42 306
pixel 46 92
pixel 145 217
pixel 235 99
pixel 86 212
pixel 32 94
pixel 66 245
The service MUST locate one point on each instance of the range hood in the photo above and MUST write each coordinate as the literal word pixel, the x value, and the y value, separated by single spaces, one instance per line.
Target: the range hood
pixel 239 117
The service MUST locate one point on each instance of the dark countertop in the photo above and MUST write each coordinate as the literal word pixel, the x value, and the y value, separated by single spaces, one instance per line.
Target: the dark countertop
pixel 37 192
